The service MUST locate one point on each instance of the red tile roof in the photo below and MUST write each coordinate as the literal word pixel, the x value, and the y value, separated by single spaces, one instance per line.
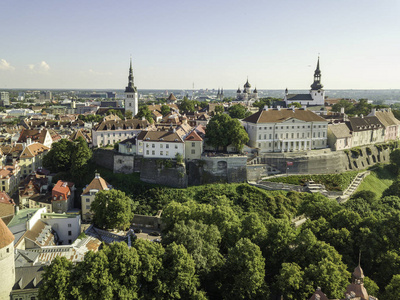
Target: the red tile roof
pixel 61 190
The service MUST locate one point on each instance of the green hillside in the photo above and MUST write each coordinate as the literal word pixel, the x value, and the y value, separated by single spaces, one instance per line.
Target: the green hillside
pixel 378 181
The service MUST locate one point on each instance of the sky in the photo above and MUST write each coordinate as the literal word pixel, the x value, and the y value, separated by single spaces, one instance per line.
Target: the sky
pixel 87 44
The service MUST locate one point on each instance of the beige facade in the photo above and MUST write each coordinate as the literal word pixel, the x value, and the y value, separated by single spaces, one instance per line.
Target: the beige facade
pixel 32 158
pixel 339 136
pixel 193 146
pixel 9 178
pixel 284 130
pixel 367 130
pixel 89 194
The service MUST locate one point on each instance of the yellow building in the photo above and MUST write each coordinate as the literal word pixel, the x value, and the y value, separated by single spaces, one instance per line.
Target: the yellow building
pixel 32 157
pixel 9 178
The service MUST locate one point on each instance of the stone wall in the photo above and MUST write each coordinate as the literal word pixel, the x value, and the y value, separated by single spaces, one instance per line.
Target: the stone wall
pixel 104 158
pixel 212 169
pixel 123 163
pixel 317 162
pixel 157 171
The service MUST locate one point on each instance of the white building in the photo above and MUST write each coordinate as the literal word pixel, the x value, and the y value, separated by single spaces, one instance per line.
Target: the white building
pixel 113 131
pixel 131 94
pixel 283 130
pixel 67 226
pixel 316 96
pixel 160 144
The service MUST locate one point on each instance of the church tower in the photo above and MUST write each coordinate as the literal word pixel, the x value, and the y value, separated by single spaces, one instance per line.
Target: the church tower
pixel 7 267
pixel 317 92
pixel 131 94
pixel 356 287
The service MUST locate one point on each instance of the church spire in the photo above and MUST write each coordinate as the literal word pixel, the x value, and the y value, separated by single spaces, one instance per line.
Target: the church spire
pixel 131 87
pixel 317 85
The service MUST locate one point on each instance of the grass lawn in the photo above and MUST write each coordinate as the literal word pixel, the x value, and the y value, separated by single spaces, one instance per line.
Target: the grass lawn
pixel 378 181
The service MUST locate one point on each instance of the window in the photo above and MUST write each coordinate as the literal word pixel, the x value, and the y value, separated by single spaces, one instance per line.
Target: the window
pixel 167 146
pixel 70 232
pixel 153 152
pixel 69 241
pixel 193 151
pixel 147 152
pixel 153 145
pixel 87 206
pixel 176 146
pixel 87 200
pixel 161 153
pixel 8 250
pixel 161 146
pixel 270 136
pixel 69 225
pixel 287 135
pixel 259 136
pixel 193 144
pixel 166 153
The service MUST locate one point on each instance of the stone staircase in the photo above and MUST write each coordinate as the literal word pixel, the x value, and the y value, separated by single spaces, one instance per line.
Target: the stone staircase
pixel 353 186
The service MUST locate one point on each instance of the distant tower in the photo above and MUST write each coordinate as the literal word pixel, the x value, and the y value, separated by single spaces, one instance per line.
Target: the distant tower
pixel 222 94
pixel 317 92
pixel 131 95
pixel 7 267
pixel 218 94
pixel 255 94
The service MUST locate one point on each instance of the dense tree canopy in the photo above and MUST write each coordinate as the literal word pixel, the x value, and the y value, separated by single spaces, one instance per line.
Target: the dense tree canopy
pixel 144 112
pixel 223 131
pixel 238 111
pixel 68 156
pixel 112 209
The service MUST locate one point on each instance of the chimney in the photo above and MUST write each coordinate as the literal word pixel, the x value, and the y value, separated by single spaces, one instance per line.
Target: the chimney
pixel 373 111
pixel 361 116
pixel 342 110
pixel 278 107
pixel 97 175
pixel 265 107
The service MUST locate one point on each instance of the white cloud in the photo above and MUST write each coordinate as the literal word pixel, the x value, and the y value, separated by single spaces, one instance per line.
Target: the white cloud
pixel 5 65
pixel 42 67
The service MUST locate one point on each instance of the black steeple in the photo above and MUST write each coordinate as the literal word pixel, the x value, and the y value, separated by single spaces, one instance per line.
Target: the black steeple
pixel 317 85
pixel 131 87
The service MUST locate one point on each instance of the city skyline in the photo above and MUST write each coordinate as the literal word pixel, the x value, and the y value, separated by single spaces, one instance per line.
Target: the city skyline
pixel 76 45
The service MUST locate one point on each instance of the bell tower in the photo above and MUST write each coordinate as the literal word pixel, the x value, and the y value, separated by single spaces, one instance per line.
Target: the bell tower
pixel 131 94
pixel 317 92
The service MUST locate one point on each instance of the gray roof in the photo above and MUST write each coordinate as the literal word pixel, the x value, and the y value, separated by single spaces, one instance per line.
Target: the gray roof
pixel 365 123
pixel 340 130
pixel 28 277
pixel 303 97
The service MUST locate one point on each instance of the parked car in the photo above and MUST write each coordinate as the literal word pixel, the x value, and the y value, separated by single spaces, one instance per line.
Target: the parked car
pixel 137 230
pixel 157 241
pixel 154 233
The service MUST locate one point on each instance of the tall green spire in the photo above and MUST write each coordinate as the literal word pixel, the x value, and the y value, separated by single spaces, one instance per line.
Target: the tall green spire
pixel 131 87
pixel 317 85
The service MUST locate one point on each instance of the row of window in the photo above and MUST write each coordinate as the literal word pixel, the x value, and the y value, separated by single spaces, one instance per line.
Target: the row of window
pixel 318 134
pixel 290 126
pixel 291 144
pixel 161 146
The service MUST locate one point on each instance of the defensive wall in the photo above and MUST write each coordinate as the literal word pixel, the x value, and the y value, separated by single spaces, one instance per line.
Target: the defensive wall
pixel 323 161
pixel 163 171
pixel 104 157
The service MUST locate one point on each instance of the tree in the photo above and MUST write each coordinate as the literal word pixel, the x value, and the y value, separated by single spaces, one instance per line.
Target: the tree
pixel 238 111
pixel 165 110
pixel 80 157
pixel 112 209
pixel 223 131
pixel 395 159
pixel 295 104
pixel 244 271
pixel 219 109
pixel 178 279
pixel 128 114
pixel 290 282
pixel 59 158
pixel 392 290
pixel 187 105
pixel 56 280
pixel 348 106
pixel 144 112
pixel 200 240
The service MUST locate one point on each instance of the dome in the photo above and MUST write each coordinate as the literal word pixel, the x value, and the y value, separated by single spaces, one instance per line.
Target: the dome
pixel 358 272
pixel 6 237
pixel 238 90
pixel 255 91
pixel 247 84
